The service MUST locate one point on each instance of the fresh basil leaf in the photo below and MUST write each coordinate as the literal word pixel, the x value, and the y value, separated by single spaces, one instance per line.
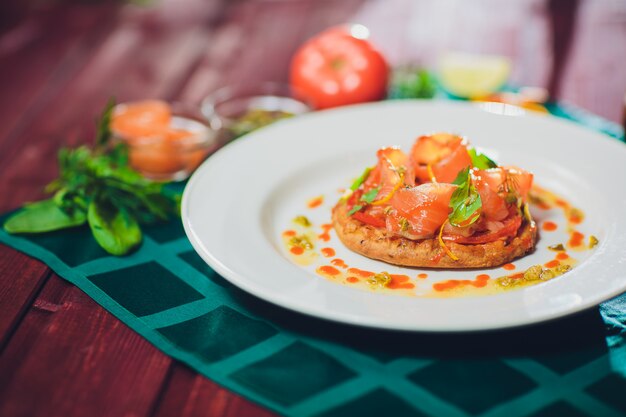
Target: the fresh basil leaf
pixel 119 154
pixel 462 177
pixel 43 216
pixel 465 201
pixel 355 209
pixel 369 196
pixel 357 183
pixel 115 230
pixel 103 133
pixel 480 160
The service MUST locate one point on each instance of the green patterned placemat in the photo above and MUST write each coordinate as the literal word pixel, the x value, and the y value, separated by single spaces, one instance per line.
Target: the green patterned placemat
pixel 302 366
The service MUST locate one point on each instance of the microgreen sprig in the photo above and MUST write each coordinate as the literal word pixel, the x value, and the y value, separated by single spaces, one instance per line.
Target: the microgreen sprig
pixel 465 202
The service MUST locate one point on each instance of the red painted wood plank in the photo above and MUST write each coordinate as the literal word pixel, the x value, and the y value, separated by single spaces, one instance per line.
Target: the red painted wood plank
pixel 256 41
pixel 70 357
pixel 188 394
pixel 37 59
pixel 22 279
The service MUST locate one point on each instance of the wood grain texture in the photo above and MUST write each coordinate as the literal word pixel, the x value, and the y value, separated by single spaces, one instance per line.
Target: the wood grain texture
pixel 70 357
pixel 188 394
pixel 22 278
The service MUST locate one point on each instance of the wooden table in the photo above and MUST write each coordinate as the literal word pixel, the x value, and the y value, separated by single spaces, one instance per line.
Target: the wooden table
pixel 61 353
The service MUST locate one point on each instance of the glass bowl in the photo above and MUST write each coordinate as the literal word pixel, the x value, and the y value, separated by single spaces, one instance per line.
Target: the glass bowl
pixel 172 153
pixel 236 110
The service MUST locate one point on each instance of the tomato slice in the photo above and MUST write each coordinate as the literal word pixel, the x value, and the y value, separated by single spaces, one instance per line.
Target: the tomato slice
pixel 509 229
pixel 369 219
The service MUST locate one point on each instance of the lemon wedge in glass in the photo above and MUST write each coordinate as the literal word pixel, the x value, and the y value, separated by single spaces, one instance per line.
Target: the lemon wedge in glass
pixel 473 76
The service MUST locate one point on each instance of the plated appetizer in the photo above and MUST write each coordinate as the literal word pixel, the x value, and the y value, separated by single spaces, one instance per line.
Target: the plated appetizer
pixel 443 205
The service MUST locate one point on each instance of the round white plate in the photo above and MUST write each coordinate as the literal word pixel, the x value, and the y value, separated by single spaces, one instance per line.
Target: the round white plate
pixel 240 200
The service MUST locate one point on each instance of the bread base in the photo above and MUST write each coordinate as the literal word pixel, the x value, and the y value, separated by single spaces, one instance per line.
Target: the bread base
pixel 379 244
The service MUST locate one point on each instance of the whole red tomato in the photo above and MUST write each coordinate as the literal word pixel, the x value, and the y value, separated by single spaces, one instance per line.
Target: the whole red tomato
pixel 337 67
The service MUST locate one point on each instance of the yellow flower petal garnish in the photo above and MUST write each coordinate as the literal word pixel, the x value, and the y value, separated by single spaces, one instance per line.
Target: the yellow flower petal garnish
pixel 431 174
pixel 443 245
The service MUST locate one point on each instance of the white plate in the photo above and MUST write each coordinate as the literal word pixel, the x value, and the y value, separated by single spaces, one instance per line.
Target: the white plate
pixel 240 200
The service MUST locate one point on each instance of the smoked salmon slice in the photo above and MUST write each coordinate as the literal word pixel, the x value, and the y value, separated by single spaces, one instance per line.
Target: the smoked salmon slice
pixel 393 166
pixel 444 153
pixel 425 207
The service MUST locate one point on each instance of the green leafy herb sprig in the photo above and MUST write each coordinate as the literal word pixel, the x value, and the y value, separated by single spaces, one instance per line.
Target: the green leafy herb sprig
pixel 366 198
pixel 96 186
pixel 465 202
pixel 481 161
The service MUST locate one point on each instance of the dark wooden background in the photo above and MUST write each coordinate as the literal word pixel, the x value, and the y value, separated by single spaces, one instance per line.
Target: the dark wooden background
pixel 61 354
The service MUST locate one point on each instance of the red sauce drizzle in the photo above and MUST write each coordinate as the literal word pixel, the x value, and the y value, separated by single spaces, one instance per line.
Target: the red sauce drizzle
pixel 562 255
pixel 315 202
pixel 561 203
pixel 289 233
pixel 479 282
pixel 549 226
pixel 352 280
pixel 296 250
pixel 328 252
pixel 447 285
pixel 517 276
pixel 576 239
pixel 552 264
pixel 575 219
pixel 325 228
pixel 361 273
pixel 422 276
pixel 324 236
pixel 339 262
pixel 508 267
pixel 328 270
pixel 400 282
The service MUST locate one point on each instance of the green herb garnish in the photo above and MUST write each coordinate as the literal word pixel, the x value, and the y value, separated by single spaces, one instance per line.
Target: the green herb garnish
pixel 302 221
pixel 355 209
pixel 366 198
pixel 370 196
pixel 302 241
pixel 593 242
pixel 380 280
pixel 557 248
pixel 480 160
pixel 357 183
pixel 96 186
pixel 465 201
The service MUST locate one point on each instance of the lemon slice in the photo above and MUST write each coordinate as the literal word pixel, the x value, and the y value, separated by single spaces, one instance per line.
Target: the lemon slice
pixel 473 76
